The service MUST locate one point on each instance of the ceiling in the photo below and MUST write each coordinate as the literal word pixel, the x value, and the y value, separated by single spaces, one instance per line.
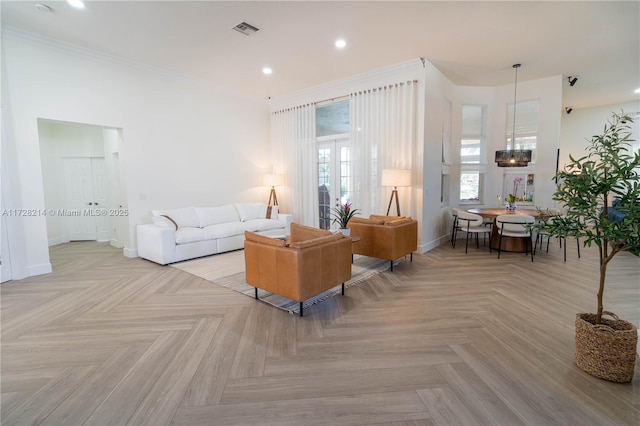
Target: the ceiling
pixel 473 43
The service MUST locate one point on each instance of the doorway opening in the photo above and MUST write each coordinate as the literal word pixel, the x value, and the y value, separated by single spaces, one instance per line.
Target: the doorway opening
pixel 335 183
pixel 82 183
pixel 335 180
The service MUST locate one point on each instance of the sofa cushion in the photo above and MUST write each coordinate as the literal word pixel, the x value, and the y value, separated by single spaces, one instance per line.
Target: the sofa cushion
pixel 164 221
pixel 223 230
pixel 250 211
pixel 272 212
pixel 187 234
pixel 250 236
pixel 215 215
pixel 303 232
pixel 258 225
pixel 367 221
pixel 315 241
pixel 398 221
pixel 385 218
pixel 184 217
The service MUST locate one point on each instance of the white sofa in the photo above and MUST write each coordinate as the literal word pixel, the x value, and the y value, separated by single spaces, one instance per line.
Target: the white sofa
pixel 190 232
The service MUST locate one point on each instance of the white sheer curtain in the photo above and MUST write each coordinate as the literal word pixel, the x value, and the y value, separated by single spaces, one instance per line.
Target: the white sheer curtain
pixel 383 133
pixel 294 151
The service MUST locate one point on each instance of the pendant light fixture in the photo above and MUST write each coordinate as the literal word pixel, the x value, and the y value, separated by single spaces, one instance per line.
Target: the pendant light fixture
pixel 512 157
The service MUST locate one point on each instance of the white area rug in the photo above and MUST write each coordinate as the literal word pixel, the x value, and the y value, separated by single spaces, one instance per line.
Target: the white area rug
pixel 227 270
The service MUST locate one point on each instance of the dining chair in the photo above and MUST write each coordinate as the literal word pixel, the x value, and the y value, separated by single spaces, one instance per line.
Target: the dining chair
pixel 516 226
pixel 541 233
pixel 473 224
pixel 455 227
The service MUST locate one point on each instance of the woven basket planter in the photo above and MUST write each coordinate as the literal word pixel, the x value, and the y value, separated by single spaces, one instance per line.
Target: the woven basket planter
pixel 606 350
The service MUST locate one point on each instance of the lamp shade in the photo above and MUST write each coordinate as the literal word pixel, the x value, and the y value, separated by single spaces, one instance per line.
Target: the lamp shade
pixel 396 177
pixel 273 179
pixel 513 157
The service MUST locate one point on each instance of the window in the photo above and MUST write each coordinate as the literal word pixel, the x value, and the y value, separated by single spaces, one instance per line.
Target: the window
pixel 332 119
pixel 472 153
pixel 471 183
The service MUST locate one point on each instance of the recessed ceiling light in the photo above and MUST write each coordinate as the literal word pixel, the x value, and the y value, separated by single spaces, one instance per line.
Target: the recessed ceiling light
pixel 340 43
pixel 267 70
pixel 78 4
pixel 637 91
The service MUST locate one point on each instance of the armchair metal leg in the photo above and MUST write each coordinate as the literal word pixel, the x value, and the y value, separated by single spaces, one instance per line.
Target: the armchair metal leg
pixel 411 257
pixel 301 308
pixel 343 289
pixel 578 243
pixel 391 265
pixel 256 288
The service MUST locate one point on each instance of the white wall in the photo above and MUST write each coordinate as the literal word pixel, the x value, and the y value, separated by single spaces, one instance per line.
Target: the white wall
pixel 549 93
pixel 184 142
pixel 435 215
pixel 579 126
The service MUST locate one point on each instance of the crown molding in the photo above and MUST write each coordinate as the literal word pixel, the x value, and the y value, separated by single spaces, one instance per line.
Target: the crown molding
pixel 16 34
pixel 37 40
pixel 408 70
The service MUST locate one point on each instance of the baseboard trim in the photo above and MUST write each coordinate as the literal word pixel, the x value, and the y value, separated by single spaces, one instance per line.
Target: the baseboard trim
pixel 44 268
pixel 129 252
pixel 56 241
pixel 423 248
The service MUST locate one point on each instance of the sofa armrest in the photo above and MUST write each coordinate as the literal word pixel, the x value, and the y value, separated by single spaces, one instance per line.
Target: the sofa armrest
pixel 156 243
pixel 286 219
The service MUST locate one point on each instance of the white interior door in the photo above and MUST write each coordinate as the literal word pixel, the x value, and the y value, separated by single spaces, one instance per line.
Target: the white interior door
pixel 335 183
pixel 86 199
pixel 100 186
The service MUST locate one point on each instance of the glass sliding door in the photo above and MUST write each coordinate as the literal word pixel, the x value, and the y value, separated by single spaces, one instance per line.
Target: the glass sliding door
pixel 335 180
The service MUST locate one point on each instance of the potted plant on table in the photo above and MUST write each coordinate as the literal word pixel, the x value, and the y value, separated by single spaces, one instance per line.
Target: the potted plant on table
pixel 513 197
pixel 605 348
pixel 342 215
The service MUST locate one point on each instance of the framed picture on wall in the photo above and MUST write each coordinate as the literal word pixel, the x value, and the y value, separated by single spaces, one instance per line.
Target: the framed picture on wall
pixel 521 184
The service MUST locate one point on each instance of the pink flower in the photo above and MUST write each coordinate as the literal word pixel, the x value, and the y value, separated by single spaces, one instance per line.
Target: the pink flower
pixel 516 182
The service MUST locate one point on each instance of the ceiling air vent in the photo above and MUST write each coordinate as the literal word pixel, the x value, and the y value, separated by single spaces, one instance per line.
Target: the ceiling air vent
pixel 246 28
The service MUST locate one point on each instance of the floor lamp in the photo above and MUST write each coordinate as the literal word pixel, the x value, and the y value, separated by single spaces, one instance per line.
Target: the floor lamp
pixel 395 178
pixel 273 180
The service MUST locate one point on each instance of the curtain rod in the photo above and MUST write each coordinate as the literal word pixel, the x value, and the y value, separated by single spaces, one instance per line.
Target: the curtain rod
pixel 336 99
pixel 344 97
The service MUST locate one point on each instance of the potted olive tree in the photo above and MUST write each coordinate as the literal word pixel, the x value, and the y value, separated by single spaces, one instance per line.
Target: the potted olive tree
pixel 604 347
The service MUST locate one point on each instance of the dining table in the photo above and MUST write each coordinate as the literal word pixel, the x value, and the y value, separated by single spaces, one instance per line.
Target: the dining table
pixel 519 245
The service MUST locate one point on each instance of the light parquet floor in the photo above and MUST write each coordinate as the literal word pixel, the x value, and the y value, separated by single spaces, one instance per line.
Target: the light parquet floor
pixel 449 339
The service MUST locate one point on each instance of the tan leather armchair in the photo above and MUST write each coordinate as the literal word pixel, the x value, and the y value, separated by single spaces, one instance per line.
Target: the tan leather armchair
pixel 384 237
pixel 308 263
